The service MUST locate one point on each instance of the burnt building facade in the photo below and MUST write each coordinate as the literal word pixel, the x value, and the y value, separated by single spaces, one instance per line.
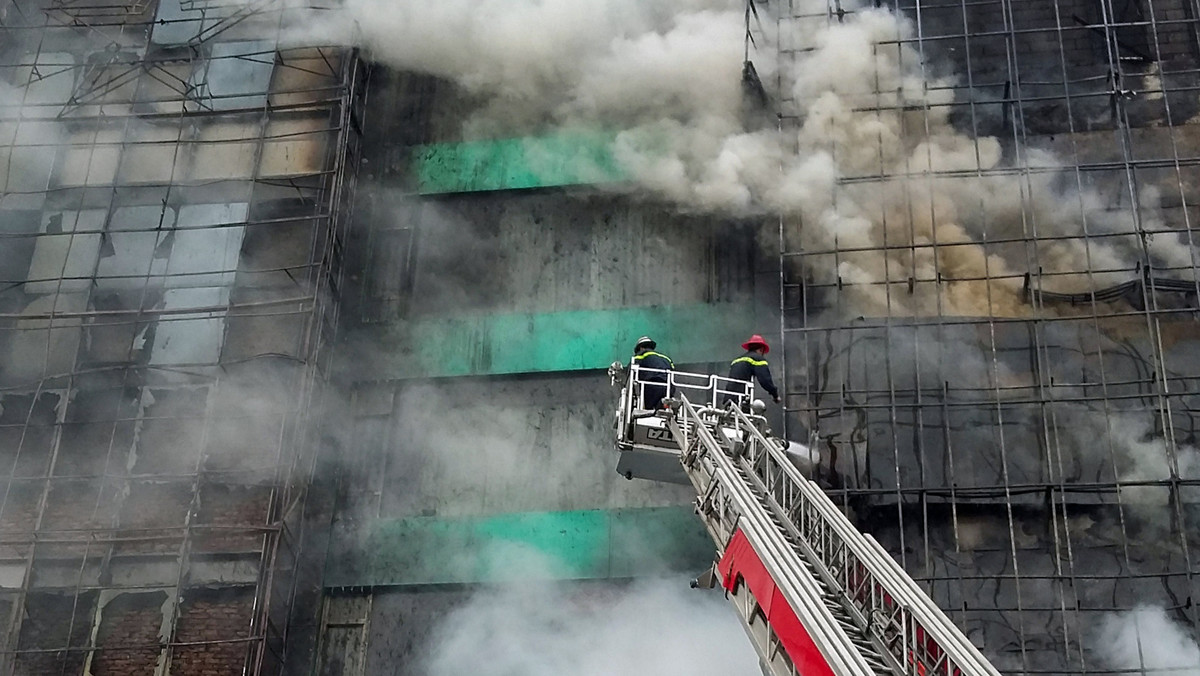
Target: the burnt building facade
pixel 292 359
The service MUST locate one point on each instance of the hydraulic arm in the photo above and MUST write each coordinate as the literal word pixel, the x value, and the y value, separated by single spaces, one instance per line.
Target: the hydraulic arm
pixel 817 596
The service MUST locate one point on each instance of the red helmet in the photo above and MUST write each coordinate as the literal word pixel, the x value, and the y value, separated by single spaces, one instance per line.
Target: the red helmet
pixel 756 340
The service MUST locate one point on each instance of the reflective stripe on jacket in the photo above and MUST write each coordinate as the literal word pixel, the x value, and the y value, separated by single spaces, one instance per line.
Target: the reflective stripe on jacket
pixel 753 366
pixel 654 360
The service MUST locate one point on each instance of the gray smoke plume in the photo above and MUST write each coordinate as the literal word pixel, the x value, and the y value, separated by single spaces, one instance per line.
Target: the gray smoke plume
pixel 527 449
pixel 875 169
pixel 28 135
pixel 668 76
pixel 651 626
pixel 1144 640
pixel 1142 456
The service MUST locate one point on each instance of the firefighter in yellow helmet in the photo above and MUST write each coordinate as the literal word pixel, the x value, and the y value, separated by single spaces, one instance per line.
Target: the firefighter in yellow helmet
pixel 646 358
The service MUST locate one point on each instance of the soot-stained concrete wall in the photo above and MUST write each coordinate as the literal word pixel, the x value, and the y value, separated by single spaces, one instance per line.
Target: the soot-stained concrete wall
pixel 369 639
pixel 890 405
pixel 1019 62
pixel 1033 587
pixel 475 447
pixel 926 411
pixel 548 251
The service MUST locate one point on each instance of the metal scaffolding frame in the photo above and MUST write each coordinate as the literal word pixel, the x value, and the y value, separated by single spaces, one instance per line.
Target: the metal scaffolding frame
pixel 997 454
pixel 174 191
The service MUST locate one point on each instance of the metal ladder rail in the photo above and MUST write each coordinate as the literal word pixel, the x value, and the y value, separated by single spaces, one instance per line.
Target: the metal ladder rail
pixel 911 626
pixel 833 597
pixel 868 643
pixel 727 504
pixel 716 515
pixel 869 646
pixel 917 632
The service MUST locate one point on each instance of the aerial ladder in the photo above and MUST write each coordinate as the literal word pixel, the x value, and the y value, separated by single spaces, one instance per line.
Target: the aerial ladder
pixel 817 596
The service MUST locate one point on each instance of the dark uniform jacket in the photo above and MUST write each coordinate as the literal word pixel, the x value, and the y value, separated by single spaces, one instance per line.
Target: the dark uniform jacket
pixel 654 360
pixel 752 365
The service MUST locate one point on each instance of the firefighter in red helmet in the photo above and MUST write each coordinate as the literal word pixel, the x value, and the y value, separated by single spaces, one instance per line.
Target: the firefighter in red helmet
pixel 753 365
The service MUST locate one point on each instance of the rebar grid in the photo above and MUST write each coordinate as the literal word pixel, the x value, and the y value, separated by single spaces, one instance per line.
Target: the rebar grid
pixel 170 208
pixel 1026 454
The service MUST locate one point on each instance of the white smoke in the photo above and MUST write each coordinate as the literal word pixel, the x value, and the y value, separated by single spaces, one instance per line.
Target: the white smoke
pixel 547 60
pixel 1143 456
pixel 1144 640
pixel 28 137
pixel 667 76
pixel 1139 453
pixel 510 455
pixel 658 627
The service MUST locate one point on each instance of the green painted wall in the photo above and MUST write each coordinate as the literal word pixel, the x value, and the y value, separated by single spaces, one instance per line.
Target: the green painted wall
pixel 576 545
pixel 565 341
pixel 579 158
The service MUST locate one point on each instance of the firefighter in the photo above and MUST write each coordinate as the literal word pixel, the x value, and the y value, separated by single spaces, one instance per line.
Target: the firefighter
pixel 645 357
pixel 753 364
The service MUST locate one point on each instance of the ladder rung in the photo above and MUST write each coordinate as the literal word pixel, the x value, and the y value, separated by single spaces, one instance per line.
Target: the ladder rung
pixel 755 489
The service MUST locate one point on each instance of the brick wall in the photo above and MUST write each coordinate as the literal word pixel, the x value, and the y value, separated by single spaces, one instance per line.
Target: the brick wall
pixel 227 505
pixel 19 505
pixel 1024 49
pixel 1177 33
pixel 74 507
pixel 126 621
pixel 128 641
pixel 1041 37
pixel 212 615
pixel 248 423
pixel 155 509
pixel 1046 39
pixel 172 432
pixel 76 504
pixel 18 515
pixel 244 443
